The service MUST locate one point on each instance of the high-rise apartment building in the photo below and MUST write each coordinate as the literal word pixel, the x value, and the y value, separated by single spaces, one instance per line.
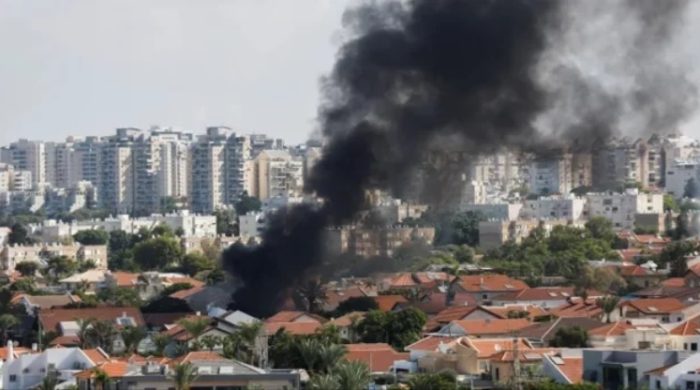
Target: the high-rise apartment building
pixel 116 182
pixel 220 172
pixel 27 155
pixel 277 173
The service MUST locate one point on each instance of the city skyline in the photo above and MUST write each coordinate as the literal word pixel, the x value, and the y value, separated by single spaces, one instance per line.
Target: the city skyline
pixel 83 68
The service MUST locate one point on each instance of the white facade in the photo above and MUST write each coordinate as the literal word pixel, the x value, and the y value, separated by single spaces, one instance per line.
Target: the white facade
pixel 678 174
pixel 29 156
pixel 251 224
pixel 497 211
pixel 551 176
pixel 27 371
pixel 621 208
pixel 557 207
pixel 277 173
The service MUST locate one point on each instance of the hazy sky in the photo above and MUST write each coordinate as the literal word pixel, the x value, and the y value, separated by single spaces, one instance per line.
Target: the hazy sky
pixel 85 67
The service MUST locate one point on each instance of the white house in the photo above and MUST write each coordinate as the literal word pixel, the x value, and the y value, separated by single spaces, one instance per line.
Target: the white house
pixel 29 370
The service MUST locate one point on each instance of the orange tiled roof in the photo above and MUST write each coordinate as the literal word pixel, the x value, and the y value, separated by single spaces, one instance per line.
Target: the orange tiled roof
pixel 183 294
pixel 578 308
pixel 404 279
pixel 656 305
pixel 113 369
pixel 616 328
pixel 532 355
pixel 125 279
pixel 547 293
pixel 502 311
pixel 430 343
pixel 18 351
pixel 673 282
pixel 293 316
pixel 347 319
pixel 690 327
pixel 379 357
pixel 491 327
pixel 296 328
pixel 491 282
pixel 97 355
pixel 387 302
pixel 572 369
pixel 65 341
pixel 199 356
pixel 485 348
pixel 448 315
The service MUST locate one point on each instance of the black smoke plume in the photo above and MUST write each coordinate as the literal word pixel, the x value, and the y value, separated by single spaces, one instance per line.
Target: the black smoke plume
pixel 459 76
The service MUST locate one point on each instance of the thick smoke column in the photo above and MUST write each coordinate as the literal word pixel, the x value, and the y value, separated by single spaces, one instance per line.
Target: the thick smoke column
pixel 447 74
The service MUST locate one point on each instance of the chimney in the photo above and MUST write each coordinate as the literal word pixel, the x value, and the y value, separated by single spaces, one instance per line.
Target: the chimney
pixel 10 351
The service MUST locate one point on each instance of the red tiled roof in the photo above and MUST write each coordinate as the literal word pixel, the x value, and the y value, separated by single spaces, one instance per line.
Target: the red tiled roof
pixel 387 302
pixel 544 294
pixel 446 316
pixel 335 296
pixel 65 341
pixel 347 319
pixel 50 318
pixel 491 327
pixel 572 369
pixel 532 355
pixel 113 369
pixel 125 279
pixel 578 308
pixel 379 357
pixel 656 305
pixel 616 328
pixel 97 355
pixel 502 311
pixel 186 279
pixel 200 356
pixel 673 282
pixel 296 328
pixel 694 269
pixel 690 327
pixel 404 279
pixel 184 294
pixel 430 343
pixel 491 282
pixel 18 351
pixel 294 316
pixel 486 348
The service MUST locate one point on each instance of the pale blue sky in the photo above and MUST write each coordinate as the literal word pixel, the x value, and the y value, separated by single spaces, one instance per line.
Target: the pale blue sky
pixel 85 67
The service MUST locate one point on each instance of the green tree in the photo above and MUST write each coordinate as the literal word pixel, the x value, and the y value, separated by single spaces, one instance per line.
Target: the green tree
pixel 120 250
pixel 157 253
pixel 92 237
pixel 352 375
pixel 466 228
pixel 48 383
pixel 313 293
pixel 7 323
pixel 670 203
pixel 226 222
pixel 209 342
pixel 196 262
pixel 120 296
pixel 183 375
pixel 356 304
pixel 601 228
pixel 19 235
pixel 195 326
pixel 247 203
pixel 60 267
pixel 27 268
pixel 324 382
pixel 570 337
pixel 675 254
pixel 215 276
pixel 433 381
pixel 132 336
pixel 319 357
pixel 608 304
pixel 101 379
pixel 162 230
pixel 396 328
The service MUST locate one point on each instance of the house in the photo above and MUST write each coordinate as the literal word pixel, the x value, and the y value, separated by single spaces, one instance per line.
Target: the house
pixel 90 280
pixel 465 355
pixel 430 344
pixel 545 297
pixel 32 303
pixel 231 321
pixel 692 276
pixel 336 295
pixel 152 284
pixel 66 322
pixel 485 328
pixel 682 375
pixel 617 369
pixel 389 302
pixel 203 298
pixel 181 336
pixel 686 336
pixel 540 334
pixel 579 308
pixel 122 279
pixel 564 367
pixel 630 334
pixel 502 364
pixel 213 371
pixel 662 309
pixel 484 288
pixel 27 371
pixel 481 313
pixel 346 323
pixel 379 357
pixel 294 322
pixel 642 276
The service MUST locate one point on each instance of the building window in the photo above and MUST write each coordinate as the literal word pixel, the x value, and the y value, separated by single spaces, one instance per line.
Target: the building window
pixel 693 346
pixel 685 346
pixel 689 385
pixel 658 384
pixel 13 378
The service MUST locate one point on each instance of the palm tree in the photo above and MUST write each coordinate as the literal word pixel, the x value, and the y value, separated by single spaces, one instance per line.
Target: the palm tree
pixel 210 342
pixel 160 341
pixel 608 304
pixel 132 336
pixel 7 322
pixel 329 355
pixel 183 375
pixel 84 326
pixel 324 382
pixel 101 379
pixel 352 375
pixel 245 341
pixel 195 326
pixel 313 293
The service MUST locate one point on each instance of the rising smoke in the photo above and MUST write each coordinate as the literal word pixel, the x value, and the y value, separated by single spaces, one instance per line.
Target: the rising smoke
pixel 473 76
